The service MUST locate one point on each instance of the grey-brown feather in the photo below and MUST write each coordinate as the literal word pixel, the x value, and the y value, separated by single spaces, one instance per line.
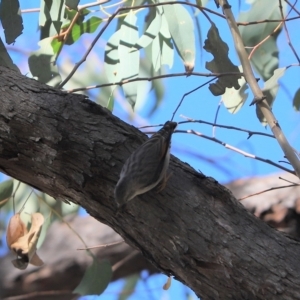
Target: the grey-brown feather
pixel 146 166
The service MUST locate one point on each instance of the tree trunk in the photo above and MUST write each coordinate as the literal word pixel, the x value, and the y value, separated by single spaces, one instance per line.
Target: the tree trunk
pixel 73 149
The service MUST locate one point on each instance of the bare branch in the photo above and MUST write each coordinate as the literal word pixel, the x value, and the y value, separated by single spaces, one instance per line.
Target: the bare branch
pixel 189 120
pixel 268 190
pixel 246 154
pixel 120 83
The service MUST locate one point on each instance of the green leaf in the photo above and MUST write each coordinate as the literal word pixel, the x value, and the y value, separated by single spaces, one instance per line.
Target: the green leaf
pixel 270 90
pixel 150 34
pixel 156 85
pixel 167 50
pixel 162 48
pixel 182 31
pixel 51 17
pixel 70 14
pixel 129 61
pixel 6 189
pixel 265 58
pixel 159 90
pixel 11 20
pixel 234 99
pixel 41 64
pixel 143 87
pixel 273 81
pixel 77 31
pixel 44 231
pixel 72 4
pixel 88 26
pixel 296 100
pixel 129 286
pixel 111 102
pixel 156 54
pixel 221 62
pixel 111 59
pixel 95 279
pixel 44 14
pixel 5 59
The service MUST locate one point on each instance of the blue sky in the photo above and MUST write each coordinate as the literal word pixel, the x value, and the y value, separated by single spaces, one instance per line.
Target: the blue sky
pixel 211 158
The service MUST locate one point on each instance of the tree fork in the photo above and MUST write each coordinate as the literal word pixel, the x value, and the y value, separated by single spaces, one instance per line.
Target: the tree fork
pixel 73 149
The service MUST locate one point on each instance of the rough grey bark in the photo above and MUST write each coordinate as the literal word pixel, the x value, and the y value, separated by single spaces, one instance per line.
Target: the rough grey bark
pixel 195 229
pixel 278 207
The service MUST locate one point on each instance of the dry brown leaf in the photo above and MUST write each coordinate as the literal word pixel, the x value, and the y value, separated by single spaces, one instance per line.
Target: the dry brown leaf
pixel 15 229
pixel 167 284
pixel 24 245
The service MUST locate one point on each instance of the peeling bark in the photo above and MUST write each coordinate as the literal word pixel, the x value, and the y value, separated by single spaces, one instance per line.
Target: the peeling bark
pixel 73 149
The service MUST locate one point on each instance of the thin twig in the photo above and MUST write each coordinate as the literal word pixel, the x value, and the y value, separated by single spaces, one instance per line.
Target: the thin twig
pixel 120 83
pixel 268 190
pixel 23 206
pixel 224 126
pixel 264 40
pixel 124 260
pixel 287 33
pixel 13 196
pixel 266 21
pixel 192 91
pixel 293 7
pixel 289 181
pixel 102 246
pixel 216 118
pixel 246 154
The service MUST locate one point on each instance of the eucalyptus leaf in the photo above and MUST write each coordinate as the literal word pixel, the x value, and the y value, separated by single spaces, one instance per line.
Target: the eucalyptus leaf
pixel 129 61
pixel 167 49
pixel 11 19
pixel 95 279
pixel 41 63
pixel 129 286
pixel 234 99
pixel 89 26
pixel 162 48
pixel 270 90
pixel 51 17
pixel 296 100
pixel 44 14
pixel 181 27
pixel 110 102
pixel 77 31
pixel 157 85
pixel 265 58
pixel 111 59
pixel 6 189
pixel 150 33
pixel 5 59
pixel 221 62
pixel 72 4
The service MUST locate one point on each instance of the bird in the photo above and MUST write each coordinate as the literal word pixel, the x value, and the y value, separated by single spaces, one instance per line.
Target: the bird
pixel 146 167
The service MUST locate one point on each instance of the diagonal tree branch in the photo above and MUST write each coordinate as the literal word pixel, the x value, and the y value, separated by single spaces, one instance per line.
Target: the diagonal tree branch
pixel 73 149
pixel 257 92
